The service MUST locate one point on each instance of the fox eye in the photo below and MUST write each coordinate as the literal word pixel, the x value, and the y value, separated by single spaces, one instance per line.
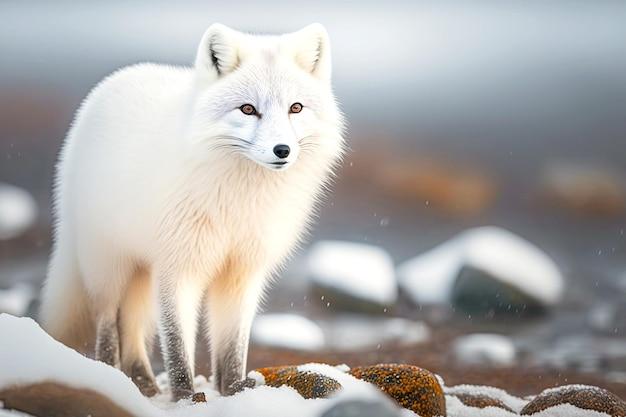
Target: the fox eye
pixel 295 108
pixel 248 109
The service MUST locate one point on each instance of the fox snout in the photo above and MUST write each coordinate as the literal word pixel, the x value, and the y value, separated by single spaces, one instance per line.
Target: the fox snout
pixel 282 151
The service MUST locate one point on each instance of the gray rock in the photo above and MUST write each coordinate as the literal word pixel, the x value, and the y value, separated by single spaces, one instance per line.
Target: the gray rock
pixel 362 408
pixel 480 293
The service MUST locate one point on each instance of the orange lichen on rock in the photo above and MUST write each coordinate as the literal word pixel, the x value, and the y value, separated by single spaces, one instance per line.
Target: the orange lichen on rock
pixel 412 387
pixel 581 396
pixel 308 384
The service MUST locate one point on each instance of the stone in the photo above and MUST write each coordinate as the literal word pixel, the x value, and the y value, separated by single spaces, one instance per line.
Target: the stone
pixel 411 387
pixel 307 384
pixel 581 396
pixel 481 401
pixel 198 397
pixel 352 276
pixel 51 399
pixel 362 408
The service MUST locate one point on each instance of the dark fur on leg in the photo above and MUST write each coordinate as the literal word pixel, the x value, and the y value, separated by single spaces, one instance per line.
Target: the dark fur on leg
pixel 144 379
pixel 108 343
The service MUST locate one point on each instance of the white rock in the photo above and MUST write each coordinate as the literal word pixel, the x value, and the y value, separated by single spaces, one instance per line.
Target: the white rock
pixel 429 278
pixel 287 331
pixel 485 349
pixel 362 271
pixel 16 300
pixel 351 332
pixel 18 211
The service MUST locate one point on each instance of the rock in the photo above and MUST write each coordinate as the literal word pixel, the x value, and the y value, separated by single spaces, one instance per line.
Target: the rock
pixel 308 384
pixel 51 399
pixel 198 397
pixel 352 332
pixel 352 276
pixel 479 292
pixel 18 211
pixel 412 387
pixel 287 331
pixel 481 396
pixel 484 270
pixel 362 408
pixel 484 349
pixel 482 401
pixel 16 300
pixel 239 386
pixel 581 396
pixel 583 189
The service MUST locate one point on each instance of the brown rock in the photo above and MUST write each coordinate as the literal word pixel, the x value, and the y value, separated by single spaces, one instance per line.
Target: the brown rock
pixel 198 397
pixel 412 387
pixel 481 401
pixel 581 396
pixel 308 384
pixel 50 399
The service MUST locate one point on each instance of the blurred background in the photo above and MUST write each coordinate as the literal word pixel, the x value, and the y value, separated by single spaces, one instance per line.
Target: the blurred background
pixel 461 115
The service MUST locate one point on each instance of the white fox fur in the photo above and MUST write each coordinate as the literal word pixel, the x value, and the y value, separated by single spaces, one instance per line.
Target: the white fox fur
pixel 168 201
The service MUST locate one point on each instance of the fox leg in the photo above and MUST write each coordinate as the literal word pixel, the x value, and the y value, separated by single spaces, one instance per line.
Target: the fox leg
pixel 108 338
pixel 232 304
pixel 178 314
pixel 136 327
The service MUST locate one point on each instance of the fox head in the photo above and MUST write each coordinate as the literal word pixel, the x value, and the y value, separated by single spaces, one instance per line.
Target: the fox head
pixel 267 98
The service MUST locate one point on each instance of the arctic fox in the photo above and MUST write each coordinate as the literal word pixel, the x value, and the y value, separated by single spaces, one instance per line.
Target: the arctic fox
pixel 182 190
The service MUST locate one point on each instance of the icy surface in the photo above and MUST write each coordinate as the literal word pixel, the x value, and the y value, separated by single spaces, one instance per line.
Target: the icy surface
pixel 18 211
pixel 288 331
pixel 363 271
pixel 485 348
pixel 429 278
pixel 16 300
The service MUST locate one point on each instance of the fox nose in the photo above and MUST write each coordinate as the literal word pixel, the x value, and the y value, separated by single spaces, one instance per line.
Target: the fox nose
pixel 281 151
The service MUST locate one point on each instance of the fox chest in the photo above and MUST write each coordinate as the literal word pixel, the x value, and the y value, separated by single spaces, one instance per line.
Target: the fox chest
pixel 255 236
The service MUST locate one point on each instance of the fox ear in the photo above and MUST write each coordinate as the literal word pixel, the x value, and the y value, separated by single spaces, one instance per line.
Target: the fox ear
pixel 311 49
pixel 218 52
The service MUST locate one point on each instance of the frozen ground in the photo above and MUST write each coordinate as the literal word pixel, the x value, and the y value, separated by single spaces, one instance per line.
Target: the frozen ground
pixel 29 355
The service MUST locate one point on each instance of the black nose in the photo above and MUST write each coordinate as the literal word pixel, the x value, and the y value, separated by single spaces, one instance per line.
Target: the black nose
pixel 281 151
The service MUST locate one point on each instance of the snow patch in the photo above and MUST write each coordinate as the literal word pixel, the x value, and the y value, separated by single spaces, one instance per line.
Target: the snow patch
pixel 360 270
pixel 485 348
pixel 16 300
pixel 514 403
pixel 429 278
pixel 351 332
pixel 287 331
pixel 18 211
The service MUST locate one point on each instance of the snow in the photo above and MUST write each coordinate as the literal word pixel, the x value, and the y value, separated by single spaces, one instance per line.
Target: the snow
pixel 361 270
pixel 511 401
pixel 29 355
pixel 18 211
pixel 455 408
pixel 485 348
pixel 17 299
pixel 353 332
pixel 287 331
pixel 429 278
